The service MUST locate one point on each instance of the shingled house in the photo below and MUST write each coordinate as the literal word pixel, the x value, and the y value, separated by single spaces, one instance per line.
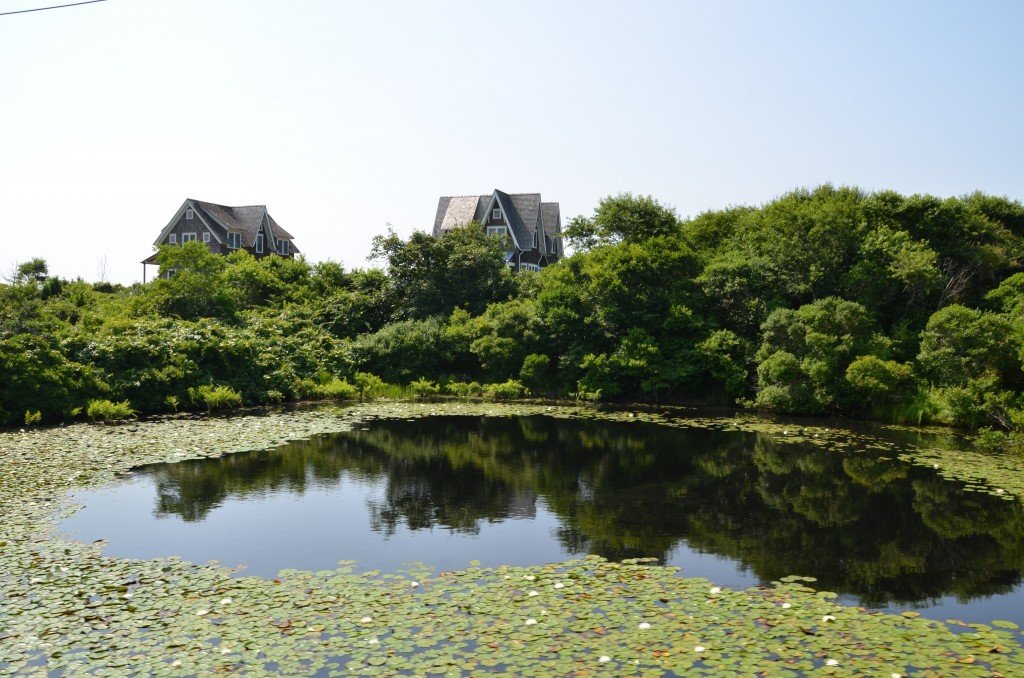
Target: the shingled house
pixel 532 228
pixel 225 229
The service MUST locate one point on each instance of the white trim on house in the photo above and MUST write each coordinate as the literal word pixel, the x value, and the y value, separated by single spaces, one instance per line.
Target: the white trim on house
pixel 496 214
pixel 504 217
pixel 189 236
pixel 187 205
pixel 497 230
pixel 287 247
pixel 172 238
pixel 238 236
pixel 259 243
pixel 190 214
pixel 206 236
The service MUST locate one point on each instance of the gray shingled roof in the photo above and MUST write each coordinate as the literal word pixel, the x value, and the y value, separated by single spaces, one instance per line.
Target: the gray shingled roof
pixel 524 212
pixel 551 219
pixel 246 219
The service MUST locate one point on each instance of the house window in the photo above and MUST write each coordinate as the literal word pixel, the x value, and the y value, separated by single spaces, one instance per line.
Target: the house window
pixel 530 267
pixel 206 237
pixel 282 247
pixel 496 230
pixel 259 243
pixel 535 240
pixel 188 237
pixel 173 239
pixel 189 214
pixel 496 213
pixel 234 241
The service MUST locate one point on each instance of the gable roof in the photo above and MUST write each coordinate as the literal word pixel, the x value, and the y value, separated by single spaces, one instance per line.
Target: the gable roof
pixel 247 220
pixel 551 220
pixel 524 212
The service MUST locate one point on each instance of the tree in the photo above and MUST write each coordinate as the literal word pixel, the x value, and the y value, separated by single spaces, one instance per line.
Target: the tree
pixel 622 218
pixel 465 268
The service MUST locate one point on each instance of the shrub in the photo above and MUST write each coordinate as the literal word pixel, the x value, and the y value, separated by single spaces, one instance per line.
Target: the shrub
pixel 464 389
pixel 106 410
pixel 536 370
pixel 33 417
pixel 172 402
pixel 368 384
pixel 215 397
pixel 335 389
pixel 508 390
pixel 422 388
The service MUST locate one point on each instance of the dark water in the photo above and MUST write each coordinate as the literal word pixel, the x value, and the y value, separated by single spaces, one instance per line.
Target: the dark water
pixel 737 508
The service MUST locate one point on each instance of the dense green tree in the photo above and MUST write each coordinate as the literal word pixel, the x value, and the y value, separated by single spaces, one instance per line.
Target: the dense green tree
pixel 622 218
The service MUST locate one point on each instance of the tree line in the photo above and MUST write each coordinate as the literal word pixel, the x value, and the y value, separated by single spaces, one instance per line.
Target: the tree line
pixel 832 301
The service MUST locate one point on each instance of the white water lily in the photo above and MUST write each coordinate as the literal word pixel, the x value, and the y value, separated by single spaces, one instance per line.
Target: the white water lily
pixel 373 641
pixel 698 648
pixel 176 663
pixel 366 620
pixel 895 675
pixel 604 658
pixel 935 466
pixel 531 621
pixel 786 606
pixel 716 589
pixel 528 577
pixel 414 584
pixel 831 662
pixel 1000 491
pixel 559 585
pixel 532 593
pixel 225 650
pixel 200 613
pixel 828 618
pixel 643 626
pixel 225 601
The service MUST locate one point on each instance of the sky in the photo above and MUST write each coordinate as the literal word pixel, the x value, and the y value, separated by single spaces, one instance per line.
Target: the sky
pixel 345 117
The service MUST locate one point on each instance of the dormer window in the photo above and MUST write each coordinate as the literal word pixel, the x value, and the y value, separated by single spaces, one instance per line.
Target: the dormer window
pixel 189 214
pixel 259 243
pixel 282 247
pixel 234 241
pixel 496 214
pixel 496 230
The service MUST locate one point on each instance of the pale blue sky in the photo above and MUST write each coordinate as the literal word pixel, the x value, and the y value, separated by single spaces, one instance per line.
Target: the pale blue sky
pixel 344 116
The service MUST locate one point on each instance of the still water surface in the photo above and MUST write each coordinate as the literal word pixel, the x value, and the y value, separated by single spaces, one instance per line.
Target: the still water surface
pixel 738 508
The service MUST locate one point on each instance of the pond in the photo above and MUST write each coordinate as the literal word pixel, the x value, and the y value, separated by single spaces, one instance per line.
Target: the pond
pixel 735 507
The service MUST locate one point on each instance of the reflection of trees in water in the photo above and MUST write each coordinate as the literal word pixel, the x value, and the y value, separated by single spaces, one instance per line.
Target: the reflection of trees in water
pixel 872 526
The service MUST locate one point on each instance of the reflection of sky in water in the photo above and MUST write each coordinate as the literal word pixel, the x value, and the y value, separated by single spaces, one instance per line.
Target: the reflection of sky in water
pixel 333 519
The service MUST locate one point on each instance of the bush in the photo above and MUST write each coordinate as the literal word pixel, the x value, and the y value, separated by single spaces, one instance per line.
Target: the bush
pixel 332 389
pixel 33 417
pixel 508 390
pixel 105 410
pixel 368 384
pixel 215 397
pixel 464 389
pixel 422 388
pixel 536 370
pixel 172 402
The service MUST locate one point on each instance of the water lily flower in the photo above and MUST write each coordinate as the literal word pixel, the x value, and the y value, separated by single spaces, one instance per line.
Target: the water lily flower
pixel 716 589
pixel 828 618
pixel 373 641
pixel 225 650
pixel 643 626
pixel 604 658
pixel 414 584
pixel 531 621
pixel 200 613
pixel 225 601
pixel 698 648
pixel 786 606
pixel 366 620
pixel 528 577
pixel 532 593
pixel 831 662
pixel 559 585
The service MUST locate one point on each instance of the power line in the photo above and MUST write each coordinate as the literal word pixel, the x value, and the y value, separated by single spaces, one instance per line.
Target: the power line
pixel 40 9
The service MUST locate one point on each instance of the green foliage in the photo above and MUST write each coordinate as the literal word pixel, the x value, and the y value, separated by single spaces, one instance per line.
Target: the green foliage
pixel 536 371
pixel 331 388
pixel 404 350
pixel 368 384
pixel 105 410
pixel 33 417
pixel 881 383
pixel 422 388
pixel 508 390
pixel 431 276
pixel 464 389
pixel 960 344
pixel 622 218
pixel 215 398
pixel 805 354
